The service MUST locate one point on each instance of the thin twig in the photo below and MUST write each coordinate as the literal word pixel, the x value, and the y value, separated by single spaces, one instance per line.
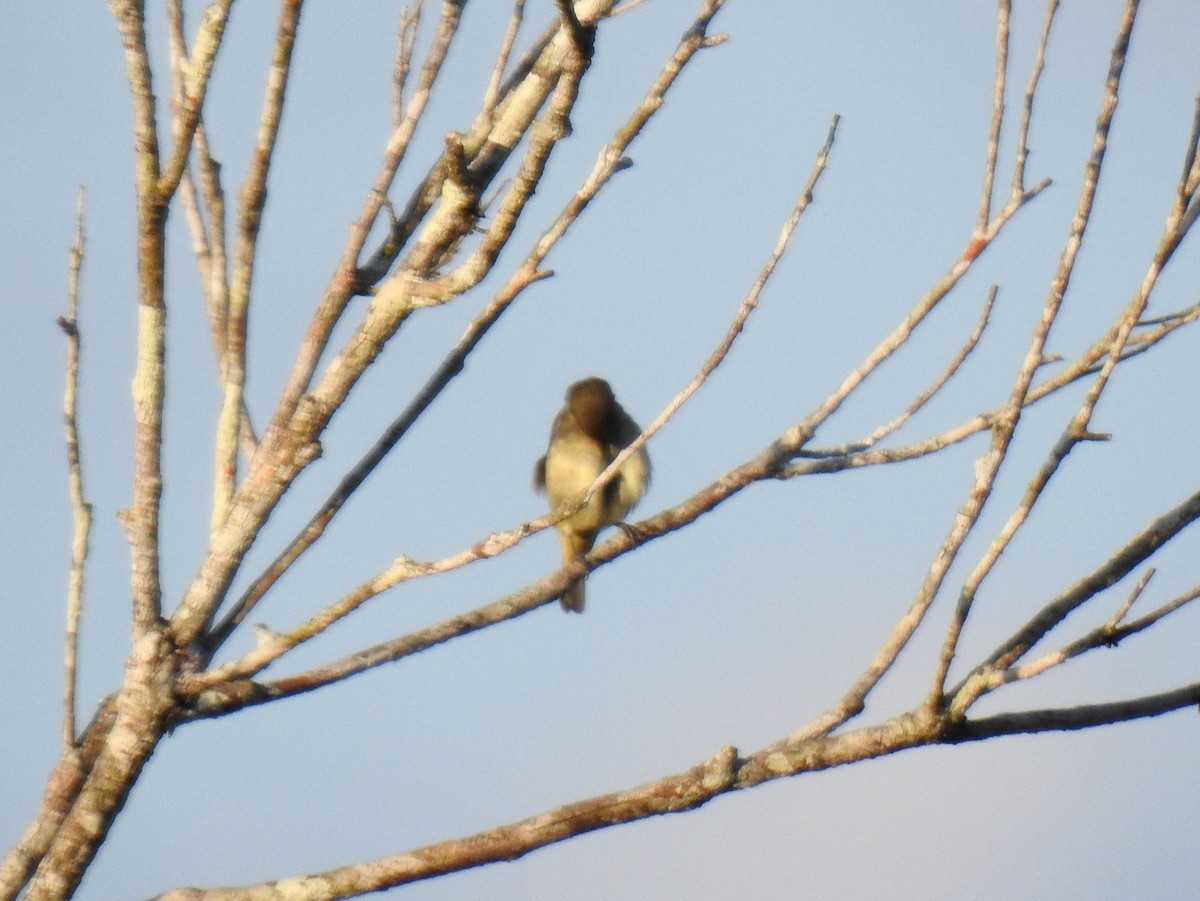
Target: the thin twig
pixel 251 202
pixel 993 149
pixel 852 703
pixel 1039 63
pixel 208 237
pixel 82 509
pixel 988 468
pixel 1028 722
pixel 406 39
pixel 858 455
pixel 194 90
pixel 1107 635
pixel 747 306
pixel 492 96
pixel 889 428
pixel 348 280
pixel 610 161
pixel 1188 176
pixel 626 7
pixel 990 673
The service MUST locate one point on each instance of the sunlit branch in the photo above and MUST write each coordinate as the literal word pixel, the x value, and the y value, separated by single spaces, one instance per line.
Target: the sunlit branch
pixel 141 519
pixel 250 211
pixel 723 772
pixel 492 95
pixel 990 674
pixel 748 305
pixel 406 39
pixel 194 89
pixel 858 455
pixel 998 83
pixel 889 428
pixel 81 509
pixel 989 466
pixel 348 280
pixel 1039 63
pixel 610 161
pixel 1105 636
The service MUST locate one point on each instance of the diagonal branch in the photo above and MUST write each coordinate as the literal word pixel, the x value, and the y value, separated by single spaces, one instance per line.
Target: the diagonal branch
pixel 404 569
pixel 988 468
pixel 611 160
pixel 348 280
pixel 1104 636
pixel 889 428
pixel 492 95
pixel 749 305
pixel 194 90
pixel 859 454
pixel 1069 719
pixel 208 237
pixel 721 773
pixel 991 673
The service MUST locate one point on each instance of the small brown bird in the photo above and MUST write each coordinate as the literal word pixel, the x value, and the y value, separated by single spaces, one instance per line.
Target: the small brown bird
pixel 587 435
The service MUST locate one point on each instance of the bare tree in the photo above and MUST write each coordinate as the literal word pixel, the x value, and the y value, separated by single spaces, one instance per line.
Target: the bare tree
pixel 439 247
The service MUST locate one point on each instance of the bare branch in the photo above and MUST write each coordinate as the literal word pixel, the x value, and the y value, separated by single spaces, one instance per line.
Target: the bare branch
pixel 404 569
pixel 1188 179
pixel 442 244
pixel 859 454
pixel 988 467
pixel 1118 617
pixel 492 97
pixel 208 238
pixel 793 442
pixel 748 306
pixel 1039 63
pixel 581 35
pixel 141 520
pixel 81 508
pixel 990 674
pixel 252 200
pixel 629 5
pixel 1074 718
pixel 993 149
pixel 194 90
pixel 685 791
pixel 291 440
pixel 610 161
pixel 723 772
pixel 1105 636
pixel 349 280
pixel 890 428
pixel 410 21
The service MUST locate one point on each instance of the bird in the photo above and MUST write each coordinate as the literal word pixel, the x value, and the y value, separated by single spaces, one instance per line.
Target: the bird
pixel 587 434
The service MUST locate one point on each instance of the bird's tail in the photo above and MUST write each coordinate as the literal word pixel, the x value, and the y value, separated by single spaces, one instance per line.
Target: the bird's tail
pixel 573 598
pixel 574 545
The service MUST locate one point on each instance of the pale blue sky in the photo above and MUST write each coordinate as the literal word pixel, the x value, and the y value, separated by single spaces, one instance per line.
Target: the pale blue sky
pixel 734 631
